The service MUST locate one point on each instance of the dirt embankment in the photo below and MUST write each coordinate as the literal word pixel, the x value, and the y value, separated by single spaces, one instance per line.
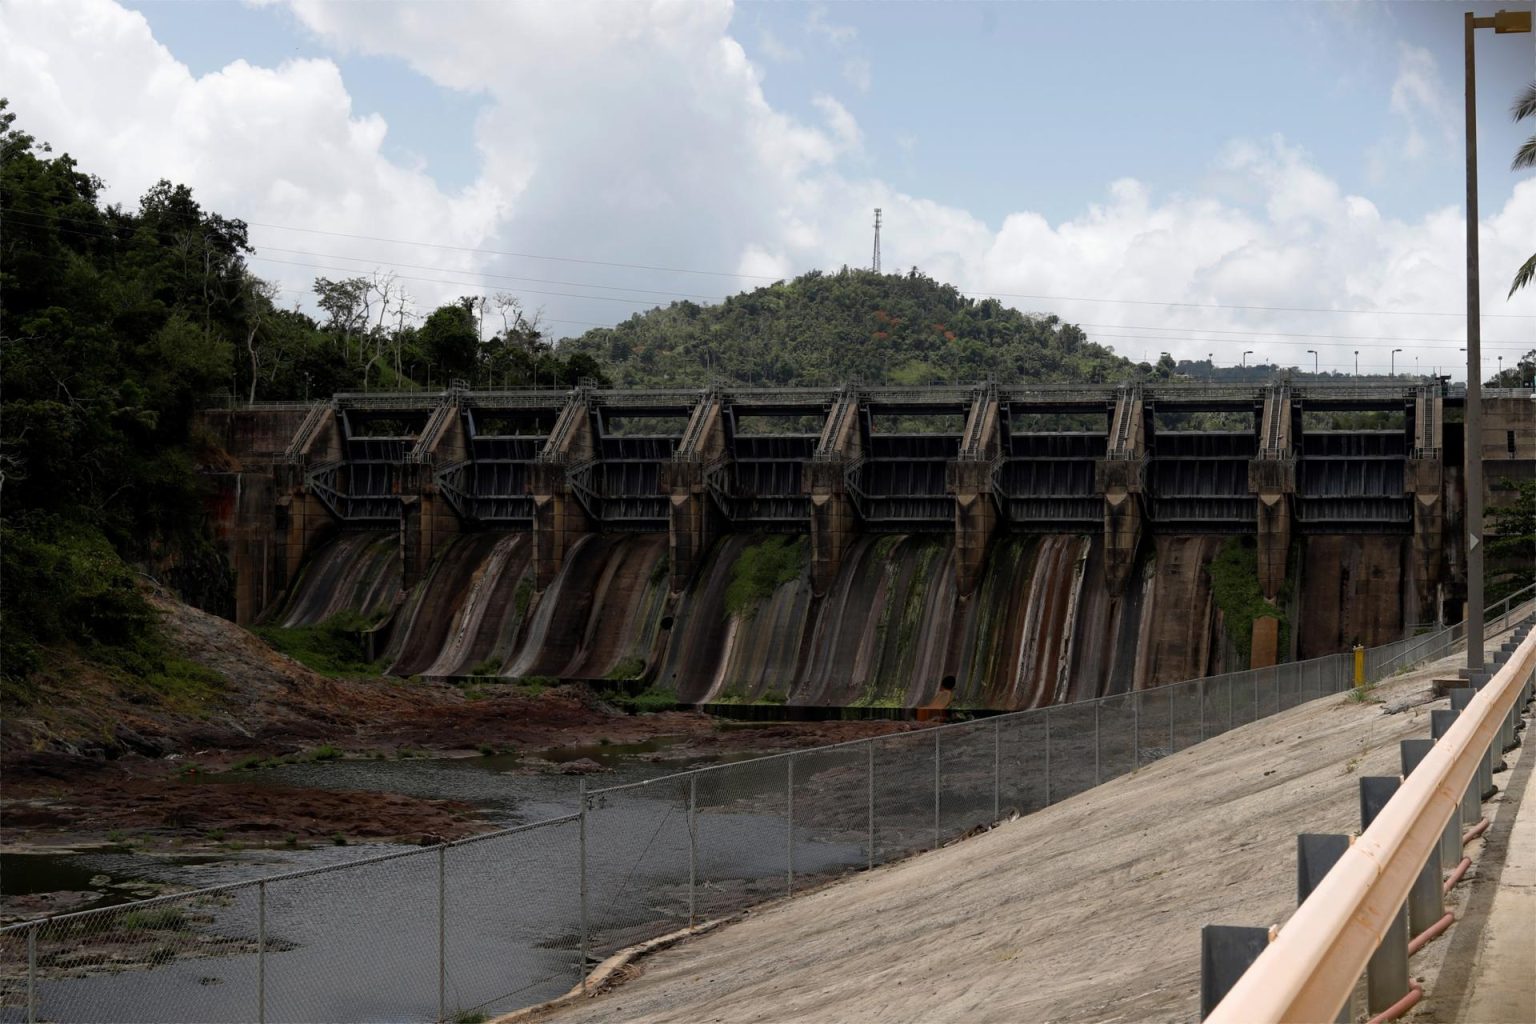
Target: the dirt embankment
pixel 89 758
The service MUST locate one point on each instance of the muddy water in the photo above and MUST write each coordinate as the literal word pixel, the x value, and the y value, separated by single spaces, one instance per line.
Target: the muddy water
pixel 363 944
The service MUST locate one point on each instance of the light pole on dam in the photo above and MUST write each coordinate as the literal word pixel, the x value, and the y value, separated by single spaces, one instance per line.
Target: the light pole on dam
pixel 1502 22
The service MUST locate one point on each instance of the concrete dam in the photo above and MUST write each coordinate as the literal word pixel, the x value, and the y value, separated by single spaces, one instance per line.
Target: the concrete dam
pixel 855 546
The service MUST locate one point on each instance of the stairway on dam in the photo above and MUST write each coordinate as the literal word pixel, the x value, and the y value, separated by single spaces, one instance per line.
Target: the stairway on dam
pixel 1039 544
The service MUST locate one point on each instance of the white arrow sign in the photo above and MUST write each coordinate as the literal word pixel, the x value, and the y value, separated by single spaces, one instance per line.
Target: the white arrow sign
pixel 1473 545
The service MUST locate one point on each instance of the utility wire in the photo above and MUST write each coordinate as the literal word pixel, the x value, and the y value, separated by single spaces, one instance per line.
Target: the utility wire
pixel 765 277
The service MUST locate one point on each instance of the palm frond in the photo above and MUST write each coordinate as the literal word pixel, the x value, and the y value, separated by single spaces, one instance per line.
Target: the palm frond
pixel 1525 156
pixel 1525 104
pixel 1523 276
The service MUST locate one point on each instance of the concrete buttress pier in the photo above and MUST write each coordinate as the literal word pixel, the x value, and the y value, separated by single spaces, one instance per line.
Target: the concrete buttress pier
pixel 559 517
pixel 301 517
pixel 1272 478
pixel 1121 480
pixel 1426 484
pixel 693 519
pixel 428 519
pixel 970 479
pixel 834 523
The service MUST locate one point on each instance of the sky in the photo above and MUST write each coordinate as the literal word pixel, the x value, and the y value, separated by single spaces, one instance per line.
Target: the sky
pixel 1244 180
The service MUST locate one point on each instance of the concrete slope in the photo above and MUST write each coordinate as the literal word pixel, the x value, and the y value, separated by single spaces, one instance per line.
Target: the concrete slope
pixel 1087 911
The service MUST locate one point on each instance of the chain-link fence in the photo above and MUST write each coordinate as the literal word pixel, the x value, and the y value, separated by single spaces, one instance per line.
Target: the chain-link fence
pixel 503 920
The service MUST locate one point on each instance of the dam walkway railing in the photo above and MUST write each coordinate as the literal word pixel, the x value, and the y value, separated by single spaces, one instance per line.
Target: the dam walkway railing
pixel 503 920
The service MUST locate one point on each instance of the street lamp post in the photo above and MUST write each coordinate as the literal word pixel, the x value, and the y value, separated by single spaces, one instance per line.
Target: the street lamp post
pixel 1246 353
pixel 1313 353
pixel 1393 363
pixel 1357 362
pixel 1502 22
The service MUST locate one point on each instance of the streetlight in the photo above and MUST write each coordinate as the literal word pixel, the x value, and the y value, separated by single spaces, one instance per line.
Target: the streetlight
pixel 1313 353
pixel 1393 363
pixel 1246 354
pixel 1501 23
pixel 1357 362
pixel 1500 377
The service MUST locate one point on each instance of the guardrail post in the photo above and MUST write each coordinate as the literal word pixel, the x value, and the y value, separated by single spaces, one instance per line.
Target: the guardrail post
pixel 870 765
pixel 582 878
pixel 789 818
pixel 1226 951
pixel 1426 900
pixel 261 952
pixel 693 849
pixel 1461 698
pixel 1440 722
pixel 1386 975
pixel 1316 854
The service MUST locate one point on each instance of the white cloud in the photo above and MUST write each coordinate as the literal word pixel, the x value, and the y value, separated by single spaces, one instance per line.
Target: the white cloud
pixel 857 73
pixel 640 134
pixel 776 49
pixel 817 23
pixel 1424 119
pixel 280 145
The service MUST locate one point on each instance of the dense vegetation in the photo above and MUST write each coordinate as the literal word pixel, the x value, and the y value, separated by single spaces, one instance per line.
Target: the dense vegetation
pixel 853 324
pixel 118 325
pixel 1512 539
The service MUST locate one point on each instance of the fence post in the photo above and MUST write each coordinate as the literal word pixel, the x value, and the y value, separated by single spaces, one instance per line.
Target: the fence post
pixel 1047 755
pixel 870 761
pixel 582 879
pixel 1231 715
pixel 261 952
pixel 997 769
pixel 1169 691
pixel 789 817
pixel 1258 709
pixel 32 975
pixel 442 961
pixel 1096 705
pixel 1136 728
pixel 1200 694
pixel 936 735
pixel 693 848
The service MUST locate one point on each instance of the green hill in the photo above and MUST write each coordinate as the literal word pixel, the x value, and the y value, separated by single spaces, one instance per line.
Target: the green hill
pixel 829 328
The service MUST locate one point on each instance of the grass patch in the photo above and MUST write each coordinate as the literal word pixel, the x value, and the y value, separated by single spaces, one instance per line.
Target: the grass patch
pixel 762 568
pixel 522 596
pixel 488 667
pixel 325 753
pixel 628 668
pixel 166 919
pixel 1235 589
pixel 184 683
pixel 647 702
pixel 334 647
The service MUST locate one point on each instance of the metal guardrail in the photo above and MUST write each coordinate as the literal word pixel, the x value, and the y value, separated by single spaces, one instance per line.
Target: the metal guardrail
pixel 1387 884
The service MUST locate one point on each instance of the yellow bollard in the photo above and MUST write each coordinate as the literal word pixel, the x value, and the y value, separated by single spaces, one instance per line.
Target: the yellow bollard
pixel 1359 665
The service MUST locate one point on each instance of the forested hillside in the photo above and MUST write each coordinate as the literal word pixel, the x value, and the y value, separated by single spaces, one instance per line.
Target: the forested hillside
pixel 117 326
pixel 853 324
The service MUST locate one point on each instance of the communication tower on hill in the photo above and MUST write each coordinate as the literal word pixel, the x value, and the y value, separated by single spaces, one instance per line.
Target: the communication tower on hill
pixel 875 263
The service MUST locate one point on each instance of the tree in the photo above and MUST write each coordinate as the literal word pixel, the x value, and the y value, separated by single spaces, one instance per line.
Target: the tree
pixel 1525 157
pixel 451 340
